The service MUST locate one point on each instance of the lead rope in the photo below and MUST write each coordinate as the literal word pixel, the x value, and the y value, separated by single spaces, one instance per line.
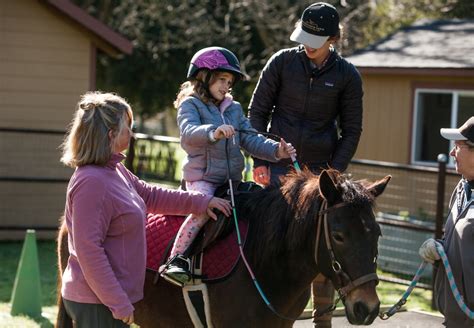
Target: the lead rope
pixel 396 307
pixel 452 283
pixel 449 274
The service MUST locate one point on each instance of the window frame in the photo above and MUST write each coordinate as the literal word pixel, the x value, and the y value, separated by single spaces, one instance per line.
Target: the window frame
pixel 454 116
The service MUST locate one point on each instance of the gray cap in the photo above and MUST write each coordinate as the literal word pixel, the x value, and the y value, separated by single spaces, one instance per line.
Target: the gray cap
pixel 465 132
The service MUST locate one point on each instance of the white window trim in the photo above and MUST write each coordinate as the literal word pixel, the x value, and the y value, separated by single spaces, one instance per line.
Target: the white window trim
pixel 454 115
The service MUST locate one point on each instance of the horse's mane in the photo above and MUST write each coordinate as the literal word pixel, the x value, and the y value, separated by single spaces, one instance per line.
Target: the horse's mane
pixel 284 219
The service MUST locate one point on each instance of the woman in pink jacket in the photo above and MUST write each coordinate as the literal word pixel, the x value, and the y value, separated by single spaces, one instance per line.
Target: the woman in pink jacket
pixel 105 215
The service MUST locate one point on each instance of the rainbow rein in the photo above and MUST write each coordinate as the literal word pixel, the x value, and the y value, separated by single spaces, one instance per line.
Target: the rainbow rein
pixel 449 274
pixel 344 290
pixel 234 214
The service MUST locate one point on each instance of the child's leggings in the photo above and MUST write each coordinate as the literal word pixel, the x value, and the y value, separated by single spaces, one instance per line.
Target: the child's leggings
pixel 193 223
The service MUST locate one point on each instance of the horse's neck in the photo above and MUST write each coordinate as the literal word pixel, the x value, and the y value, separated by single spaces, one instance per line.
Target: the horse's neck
pixel 293 269
pixel 286 280
pixel 280 247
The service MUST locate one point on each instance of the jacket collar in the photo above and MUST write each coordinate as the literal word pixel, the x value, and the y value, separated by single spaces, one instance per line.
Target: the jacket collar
pixel 114 160
pixel 333 57
pixel 225 103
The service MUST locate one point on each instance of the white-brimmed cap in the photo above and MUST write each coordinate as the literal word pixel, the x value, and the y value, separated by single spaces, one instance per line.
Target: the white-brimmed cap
pixel 318 22
pixel 465 132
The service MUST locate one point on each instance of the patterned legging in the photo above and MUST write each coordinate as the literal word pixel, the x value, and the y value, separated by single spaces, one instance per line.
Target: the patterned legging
pixel 193 223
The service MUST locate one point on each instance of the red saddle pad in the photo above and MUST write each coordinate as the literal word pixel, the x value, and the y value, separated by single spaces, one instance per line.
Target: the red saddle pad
pixel 218 260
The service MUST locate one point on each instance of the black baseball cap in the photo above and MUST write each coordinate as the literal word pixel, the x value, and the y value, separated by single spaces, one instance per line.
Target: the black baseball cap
pixel 318 22
pixel 465 132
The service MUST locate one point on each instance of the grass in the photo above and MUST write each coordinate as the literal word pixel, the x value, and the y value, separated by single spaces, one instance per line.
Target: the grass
pixel 389 293
pixel 9 257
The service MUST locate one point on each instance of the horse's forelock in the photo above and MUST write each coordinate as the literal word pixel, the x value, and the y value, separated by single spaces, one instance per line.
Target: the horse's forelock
pixel 300 190
pixel 356 193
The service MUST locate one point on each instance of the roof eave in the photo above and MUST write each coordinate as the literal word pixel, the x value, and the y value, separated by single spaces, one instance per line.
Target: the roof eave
pixel 458 72
pixel 113 44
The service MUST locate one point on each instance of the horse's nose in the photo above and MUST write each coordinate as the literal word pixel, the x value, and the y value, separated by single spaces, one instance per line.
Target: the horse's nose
pixel 363 314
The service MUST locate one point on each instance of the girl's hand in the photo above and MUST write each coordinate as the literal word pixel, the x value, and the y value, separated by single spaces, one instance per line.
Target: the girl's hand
pixel 219 203
pixel 261 175
pixel 285 150
pixel 128 319
pixel 224 131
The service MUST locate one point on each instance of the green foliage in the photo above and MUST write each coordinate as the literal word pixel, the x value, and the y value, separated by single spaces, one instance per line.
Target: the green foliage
pixel 166 33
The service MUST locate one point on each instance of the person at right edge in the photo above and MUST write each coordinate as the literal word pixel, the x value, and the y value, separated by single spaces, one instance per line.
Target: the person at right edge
pixel 312 97
pixel 458 239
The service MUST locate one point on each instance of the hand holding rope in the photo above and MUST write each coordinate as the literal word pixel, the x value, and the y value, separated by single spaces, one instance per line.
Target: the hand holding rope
pixel 449 274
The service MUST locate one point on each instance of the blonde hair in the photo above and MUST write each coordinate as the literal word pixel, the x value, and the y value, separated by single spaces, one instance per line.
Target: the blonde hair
pixel 87 140
pixel 197 87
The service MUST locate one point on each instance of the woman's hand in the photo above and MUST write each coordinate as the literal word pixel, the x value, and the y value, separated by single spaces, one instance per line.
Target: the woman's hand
pixel 128 319
pixel 261 175
pixel 428 251
pixel 224 131
pixel 285 150
pixel 220 204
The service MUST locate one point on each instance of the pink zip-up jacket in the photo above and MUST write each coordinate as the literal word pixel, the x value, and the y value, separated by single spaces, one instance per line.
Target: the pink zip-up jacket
pixel 105 214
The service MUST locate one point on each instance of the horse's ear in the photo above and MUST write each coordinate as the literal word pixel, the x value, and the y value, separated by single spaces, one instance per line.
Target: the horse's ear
pixel 328 188
pixel 378 187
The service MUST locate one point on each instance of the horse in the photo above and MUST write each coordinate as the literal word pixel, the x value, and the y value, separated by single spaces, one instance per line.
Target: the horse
pixel 311 224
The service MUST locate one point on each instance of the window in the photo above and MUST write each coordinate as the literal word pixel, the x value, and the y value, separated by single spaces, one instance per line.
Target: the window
pixel 436 109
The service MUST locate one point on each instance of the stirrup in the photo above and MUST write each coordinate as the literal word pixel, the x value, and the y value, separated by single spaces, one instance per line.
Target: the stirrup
pixel 174 262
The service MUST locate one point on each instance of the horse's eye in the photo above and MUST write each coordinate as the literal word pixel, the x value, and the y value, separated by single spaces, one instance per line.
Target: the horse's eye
pixel 338 237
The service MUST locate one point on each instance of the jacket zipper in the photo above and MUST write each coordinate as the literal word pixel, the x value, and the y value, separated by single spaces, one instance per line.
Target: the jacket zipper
pixel 308 94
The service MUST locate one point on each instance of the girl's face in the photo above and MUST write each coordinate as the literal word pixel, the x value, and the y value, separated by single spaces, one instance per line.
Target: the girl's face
pixel 221 86
pixel 121 141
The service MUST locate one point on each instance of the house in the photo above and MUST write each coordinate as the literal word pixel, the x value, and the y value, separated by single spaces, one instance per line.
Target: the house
pixel 48 59
pixel 416 81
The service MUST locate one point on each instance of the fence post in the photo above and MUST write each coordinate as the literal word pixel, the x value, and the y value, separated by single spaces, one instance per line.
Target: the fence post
pixel 442 160
pixel 130 155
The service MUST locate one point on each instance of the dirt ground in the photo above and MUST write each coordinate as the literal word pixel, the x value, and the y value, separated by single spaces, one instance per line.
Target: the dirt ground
pixel 407 319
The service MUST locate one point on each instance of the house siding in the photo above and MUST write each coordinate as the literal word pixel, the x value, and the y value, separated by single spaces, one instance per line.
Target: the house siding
pixel 44 67
pixel 388 113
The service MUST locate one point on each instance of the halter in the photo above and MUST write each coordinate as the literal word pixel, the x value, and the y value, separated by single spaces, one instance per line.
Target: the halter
pixel 342 276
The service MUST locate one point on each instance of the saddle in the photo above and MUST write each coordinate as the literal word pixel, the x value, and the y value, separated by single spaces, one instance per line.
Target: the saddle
pixel 215 251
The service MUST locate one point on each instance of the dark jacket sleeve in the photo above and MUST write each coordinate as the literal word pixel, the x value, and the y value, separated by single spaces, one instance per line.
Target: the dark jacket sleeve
pixel 350 120
pixel 262 102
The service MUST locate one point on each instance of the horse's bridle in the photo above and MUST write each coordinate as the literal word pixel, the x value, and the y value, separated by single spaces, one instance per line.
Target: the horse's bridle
pixel 342 276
